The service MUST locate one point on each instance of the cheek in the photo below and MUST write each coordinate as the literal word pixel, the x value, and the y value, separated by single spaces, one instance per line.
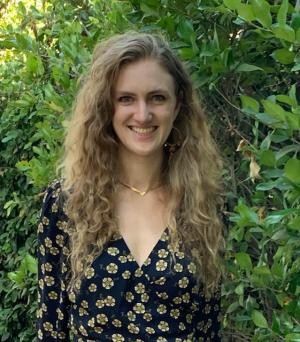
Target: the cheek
pixel 171 114
pixel 113 121
pixel 117 117
pixel 116 123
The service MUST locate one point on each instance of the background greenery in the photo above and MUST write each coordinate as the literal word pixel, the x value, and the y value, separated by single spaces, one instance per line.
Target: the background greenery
pixel 244 57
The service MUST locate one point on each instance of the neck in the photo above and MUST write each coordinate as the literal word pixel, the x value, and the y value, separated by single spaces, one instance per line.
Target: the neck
pixel 140 172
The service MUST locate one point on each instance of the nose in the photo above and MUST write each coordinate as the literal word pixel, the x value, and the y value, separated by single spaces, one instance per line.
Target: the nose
pixel 143 113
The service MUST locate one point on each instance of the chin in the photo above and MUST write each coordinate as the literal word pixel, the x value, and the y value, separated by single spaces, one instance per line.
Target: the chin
pixel 144 153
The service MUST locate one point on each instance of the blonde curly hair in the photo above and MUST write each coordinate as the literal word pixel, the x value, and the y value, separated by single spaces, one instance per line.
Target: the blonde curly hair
pixel 90 157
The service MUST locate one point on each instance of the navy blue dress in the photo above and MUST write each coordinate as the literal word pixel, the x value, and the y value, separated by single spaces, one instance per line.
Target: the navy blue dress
pixel 117 299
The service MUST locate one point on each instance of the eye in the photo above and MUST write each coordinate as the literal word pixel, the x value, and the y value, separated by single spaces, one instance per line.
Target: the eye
pixel 125 99
pixel 158 98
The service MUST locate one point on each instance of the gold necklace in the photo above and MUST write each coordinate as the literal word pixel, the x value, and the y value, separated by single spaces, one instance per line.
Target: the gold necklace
pixel 141 193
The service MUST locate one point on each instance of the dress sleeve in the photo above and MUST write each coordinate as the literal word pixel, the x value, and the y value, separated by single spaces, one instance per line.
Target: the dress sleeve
pixel 53 302
pixel 208 320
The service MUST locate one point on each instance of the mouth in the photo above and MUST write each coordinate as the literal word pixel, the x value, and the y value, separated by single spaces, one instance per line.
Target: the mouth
pixel 143 130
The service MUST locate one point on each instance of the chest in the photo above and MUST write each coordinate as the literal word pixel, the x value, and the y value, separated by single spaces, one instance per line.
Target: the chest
pixel 115 287
pixel 141 222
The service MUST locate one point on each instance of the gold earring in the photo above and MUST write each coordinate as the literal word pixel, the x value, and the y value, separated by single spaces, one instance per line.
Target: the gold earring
pixel 172 147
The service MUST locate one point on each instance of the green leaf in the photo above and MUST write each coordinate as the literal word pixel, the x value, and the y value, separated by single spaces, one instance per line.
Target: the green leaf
pixel 275 323
pixel 34 64
pixel 259 319
pixel 293 337
pixel 24 42
pixel 206 53
pixel 283 56
pixel 285 99
pixel 293 120
pixel 261 9
pixel 295 22
pixel 247 68
pixel 296 67
pixel 232 4
pixel 149 9
pixel 17 277
pixel 287 149
pixel 295 223
pixel 270 121
pixel 244 260
pixel 246 217
pixel 284 32
pixel 185 30
pixel 282 299
pixel 274 110
pixel 23 165
pixel 281 15
pixel 267 158
pixel 292 94
pixel 232 307
pixel 239 290
pixel 12 276
pixel 268 185
pixel 249 103
pixel 10 135
pixel 186 53
pixel 277 216
pixel 278 270
pixel 215 41
pixel 31 264
pixel 245 11
pixel 298 35
pixel 292 170
pixel 8 44
pixel 265 144
pixel 262 271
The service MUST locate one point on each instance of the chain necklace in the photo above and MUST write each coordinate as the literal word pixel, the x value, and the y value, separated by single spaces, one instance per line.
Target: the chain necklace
pixel 141 193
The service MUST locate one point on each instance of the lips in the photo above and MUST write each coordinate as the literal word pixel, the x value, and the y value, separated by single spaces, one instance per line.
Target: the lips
pixel 143 130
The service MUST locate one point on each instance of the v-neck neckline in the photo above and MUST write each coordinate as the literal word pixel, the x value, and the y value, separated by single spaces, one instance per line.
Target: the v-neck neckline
pixel 164 232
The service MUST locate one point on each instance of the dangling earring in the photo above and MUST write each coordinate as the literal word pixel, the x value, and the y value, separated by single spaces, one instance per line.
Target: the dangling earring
pixel 172 147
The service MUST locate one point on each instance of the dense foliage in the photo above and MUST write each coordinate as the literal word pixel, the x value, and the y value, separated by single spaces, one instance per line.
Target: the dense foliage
pixel 245 59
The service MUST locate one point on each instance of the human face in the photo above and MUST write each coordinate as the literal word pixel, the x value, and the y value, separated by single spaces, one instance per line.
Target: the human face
pixel 145 107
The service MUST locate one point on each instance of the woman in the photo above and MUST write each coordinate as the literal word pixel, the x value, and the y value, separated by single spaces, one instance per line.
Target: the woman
pixel 129 238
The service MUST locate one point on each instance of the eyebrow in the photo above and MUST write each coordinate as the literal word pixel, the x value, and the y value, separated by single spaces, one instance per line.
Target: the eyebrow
pixel 159 90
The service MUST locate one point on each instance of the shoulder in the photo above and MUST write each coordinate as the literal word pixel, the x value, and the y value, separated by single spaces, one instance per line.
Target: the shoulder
pixel 53 218
pixel 54 199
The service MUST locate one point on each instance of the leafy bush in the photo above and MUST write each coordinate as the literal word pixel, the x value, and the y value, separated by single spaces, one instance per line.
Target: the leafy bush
pixel 43 51
pixel 245 59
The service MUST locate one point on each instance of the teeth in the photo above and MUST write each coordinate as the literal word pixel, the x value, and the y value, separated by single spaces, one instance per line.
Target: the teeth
pixel 143 130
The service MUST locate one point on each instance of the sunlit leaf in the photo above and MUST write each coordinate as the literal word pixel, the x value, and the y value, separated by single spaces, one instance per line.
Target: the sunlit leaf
pixel 259 319
pixel 284 32
pixel 292 170
pixel 261 9
pixel 284 56
pixel 245 11
pixel 249 103
pixel 282 13
pixel 244 260
pixel 247 68
pixel 232 4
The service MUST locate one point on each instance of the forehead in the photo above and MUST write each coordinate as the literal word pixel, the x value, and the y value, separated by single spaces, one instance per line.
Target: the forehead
pixel 144 75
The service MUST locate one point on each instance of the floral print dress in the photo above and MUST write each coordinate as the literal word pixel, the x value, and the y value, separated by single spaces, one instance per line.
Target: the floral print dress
pixel 118 300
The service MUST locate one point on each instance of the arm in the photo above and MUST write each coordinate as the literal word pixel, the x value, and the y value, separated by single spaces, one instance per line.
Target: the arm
pixel 53 304
pixel 208 322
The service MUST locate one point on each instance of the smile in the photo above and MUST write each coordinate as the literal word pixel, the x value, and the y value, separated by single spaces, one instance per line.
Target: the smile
pixel 143 130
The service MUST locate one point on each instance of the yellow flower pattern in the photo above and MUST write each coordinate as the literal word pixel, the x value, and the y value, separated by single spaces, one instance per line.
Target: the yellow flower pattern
pixel 117 300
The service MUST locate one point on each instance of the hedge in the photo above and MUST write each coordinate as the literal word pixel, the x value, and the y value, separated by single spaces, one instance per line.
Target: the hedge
pixel 245 61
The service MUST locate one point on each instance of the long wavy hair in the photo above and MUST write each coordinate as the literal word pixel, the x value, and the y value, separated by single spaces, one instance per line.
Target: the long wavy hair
pixel 89 162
